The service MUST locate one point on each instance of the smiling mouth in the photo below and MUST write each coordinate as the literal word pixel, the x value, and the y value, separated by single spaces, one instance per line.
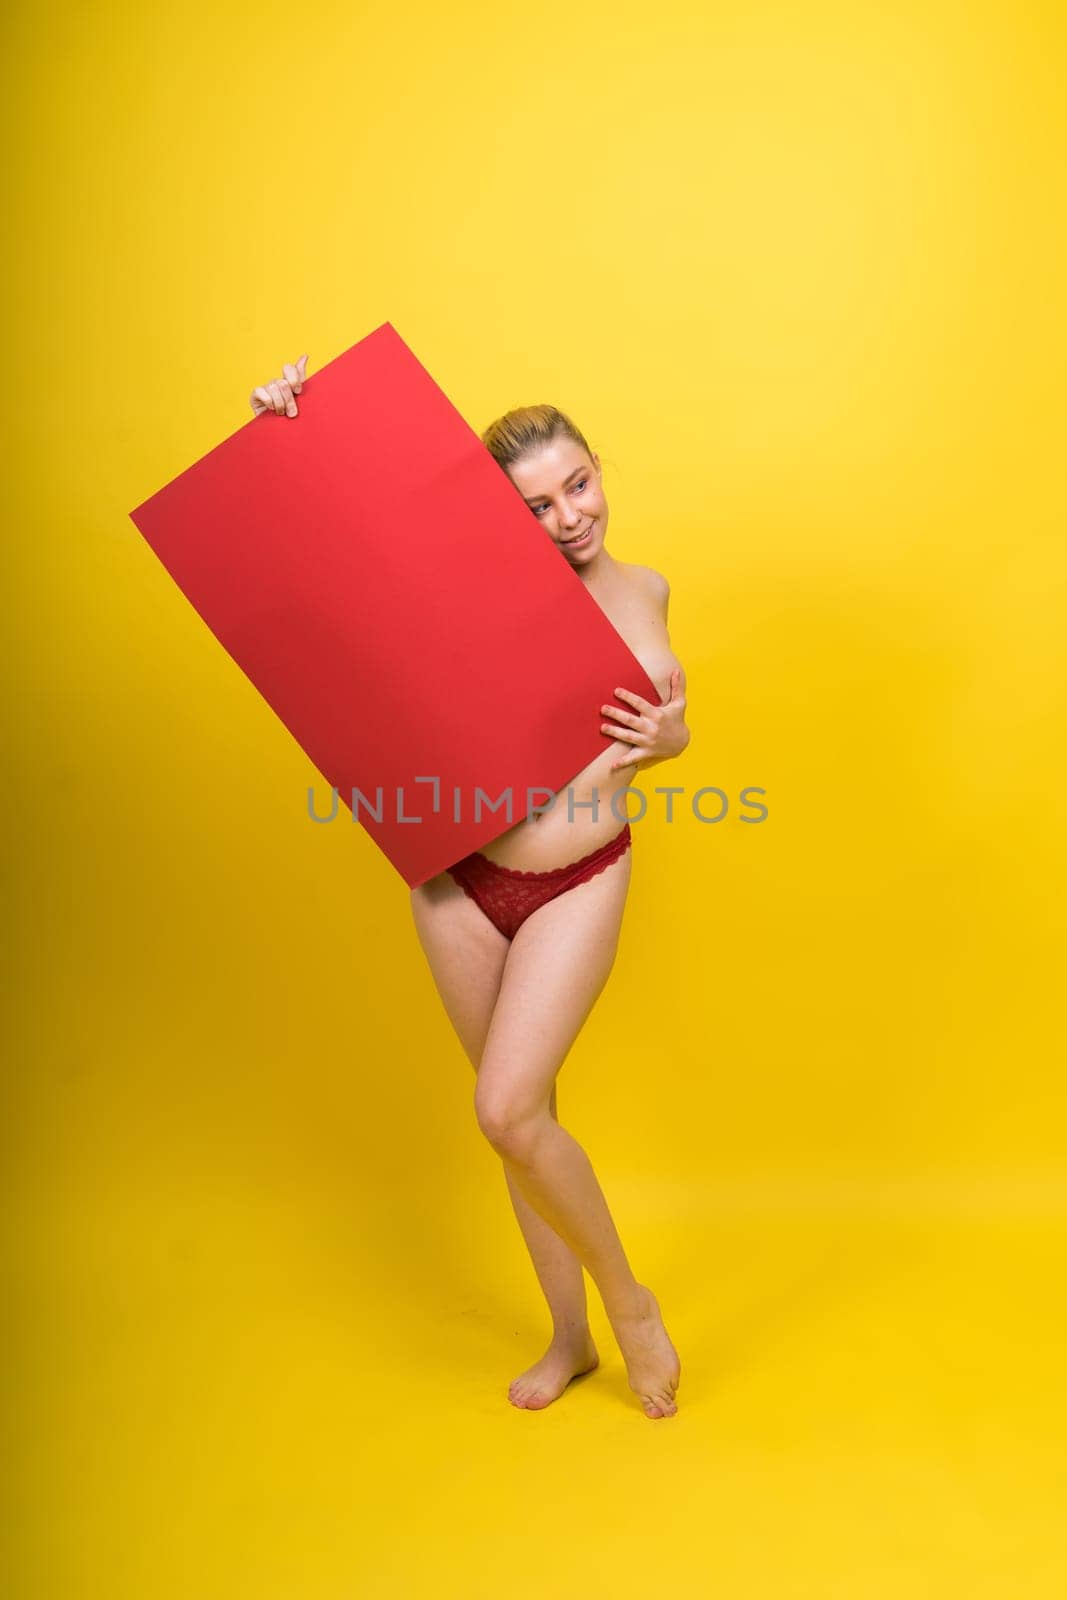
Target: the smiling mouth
pixel 578 536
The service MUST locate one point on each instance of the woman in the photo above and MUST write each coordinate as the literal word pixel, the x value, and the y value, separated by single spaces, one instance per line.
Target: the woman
pixel 521 935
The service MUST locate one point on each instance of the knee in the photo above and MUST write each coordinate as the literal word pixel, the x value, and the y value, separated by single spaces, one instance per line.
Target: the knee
pixel 511 1128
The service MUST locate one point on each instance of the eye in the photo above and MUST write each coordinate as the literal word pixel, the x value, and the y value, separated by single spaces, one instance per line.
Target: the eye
pixel 537 510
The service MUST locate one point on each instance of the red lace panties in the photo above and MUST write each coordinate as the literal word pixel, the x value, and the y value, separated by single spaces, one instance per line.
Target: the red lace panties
pixel 508 895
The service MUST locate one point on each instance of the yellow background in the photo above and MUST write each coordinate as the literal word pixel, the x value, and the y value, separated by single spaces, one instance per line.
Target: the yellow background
pixel 797 271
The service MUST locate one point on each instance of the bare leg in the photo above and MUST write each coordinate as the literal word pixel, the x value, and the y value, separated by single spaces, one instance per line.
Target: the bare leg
pixel 571 1350
pixel 466 955
pixel 555 969
pixel 558 1269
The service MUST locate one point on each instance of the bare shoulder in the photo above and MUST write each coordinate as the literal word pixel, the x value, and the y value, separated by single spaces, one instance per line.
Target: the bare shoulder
pixel 651 582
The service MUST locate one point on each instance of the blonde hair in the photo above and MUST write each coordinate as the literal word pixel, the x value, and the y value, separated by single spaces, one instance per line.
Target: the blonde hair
pixel 529 428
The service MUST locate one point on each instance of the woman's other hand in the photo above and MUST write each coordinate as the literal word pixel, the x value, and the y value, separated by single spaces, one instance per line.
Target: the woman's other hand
pixel 277 396
pixel 657 733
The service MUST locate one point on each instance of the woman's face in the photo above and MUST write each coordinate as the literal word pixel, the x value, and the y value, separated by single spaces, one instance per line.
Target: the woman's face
pixel 562 488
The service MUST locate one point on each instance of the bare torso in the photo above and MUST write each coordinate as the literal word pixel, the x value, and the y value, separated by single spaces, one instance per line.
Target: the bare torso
pixel 628 598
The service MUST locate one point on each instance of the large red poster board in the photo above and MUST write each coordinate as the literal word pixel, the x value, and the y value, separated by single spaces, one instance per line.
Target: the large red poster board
pixel 383 585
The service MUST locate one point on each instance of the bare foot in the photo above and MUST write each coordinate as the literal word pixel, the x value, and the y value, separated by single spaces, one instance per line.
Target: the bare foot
pixel 546 1380
pixel 652 1364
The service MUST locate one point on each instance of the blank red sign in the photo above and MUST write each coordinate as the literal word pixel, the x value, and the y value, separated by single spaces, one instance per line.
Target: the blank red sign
pixel 380 580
